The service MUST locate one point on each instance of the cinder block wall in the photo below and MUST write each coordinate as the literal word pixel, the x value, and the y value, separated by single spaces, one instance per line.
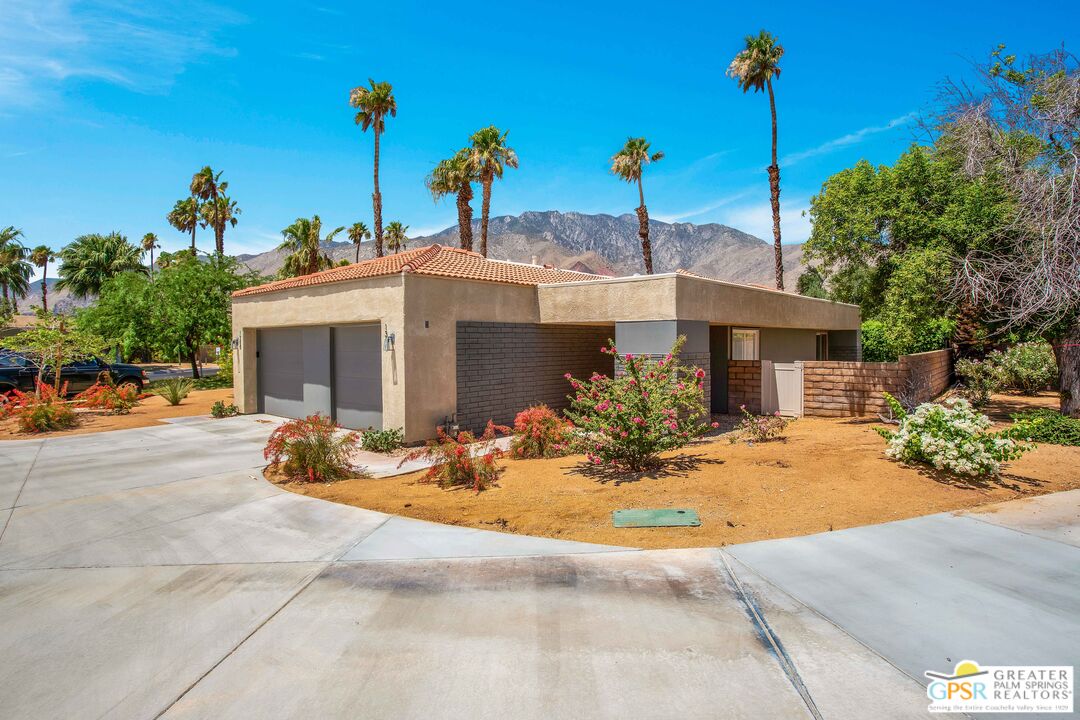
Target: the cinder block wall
pixel 503 368
pixel 744 385
pixel 842 389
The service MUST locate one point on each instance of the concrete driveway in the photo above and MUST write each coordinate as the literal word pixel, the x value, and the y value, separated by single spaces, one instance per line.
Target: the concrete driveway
pixel 153 573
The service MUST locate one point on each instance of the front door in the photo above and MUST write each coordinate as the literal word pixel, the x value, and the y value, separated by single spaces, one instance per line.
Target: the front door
pixel 718 368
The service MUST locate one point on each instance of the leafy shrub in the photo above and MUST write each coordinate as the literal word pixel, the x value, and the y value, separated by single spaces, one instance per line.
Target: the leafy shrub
pixel 174 390
pixel 1045 426
pixel 456 463
pixel 760 428
pixel 628 420
pixel 217 381
pixel 1026 367
pixel 978 380
pixel 950 437
pixel 312 449
pixel 382 441
pixel 539 432
pixel 42 411
pixel 118 400
pixel 220 410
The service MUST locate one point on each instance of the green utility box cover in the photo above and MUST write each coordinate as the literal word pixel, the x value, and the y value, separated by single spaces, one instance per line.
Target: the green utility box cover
pixel 668 517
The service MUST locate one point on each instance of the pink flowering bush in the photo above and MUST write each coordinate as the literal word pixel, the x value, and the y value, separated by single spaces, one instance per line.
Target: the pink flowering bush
pixel 539 432
pixel 760 428
pixel 628 420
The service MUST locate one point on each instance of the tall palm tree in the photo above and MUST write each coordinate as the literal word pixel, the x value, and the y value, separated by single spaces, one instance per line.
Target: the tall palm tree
pixel 491 155
pixel 628 164
pixel 150 244
pixel 219 212
pixel 358 233
pixel 456 175
pixel 754 68
pixel 15 271
pixel 90 260
pixel 374 104
pixel 304 242
pixel 395 236
pixel 206 184
pixel 41 256
pixel 185 217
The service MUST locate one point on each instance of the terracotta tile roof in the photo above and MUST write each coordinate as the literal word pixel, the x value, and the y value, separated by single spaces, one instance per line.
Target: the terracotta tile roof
pixel 434 260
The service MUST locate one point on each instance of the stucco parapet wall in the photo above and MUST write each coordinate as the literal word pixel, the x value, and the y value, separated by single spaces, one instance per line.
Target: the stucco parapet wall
pixel 676 296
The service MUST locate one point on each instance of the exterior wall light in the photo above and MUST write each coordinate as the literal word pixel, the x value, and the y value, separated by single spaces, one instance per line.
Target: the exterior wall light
pixel 388 341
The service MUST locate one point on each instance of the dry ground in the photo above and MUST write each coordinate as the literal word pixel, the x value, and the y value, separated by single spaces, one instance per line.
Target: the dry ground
pixel 827 474
pixel 149 412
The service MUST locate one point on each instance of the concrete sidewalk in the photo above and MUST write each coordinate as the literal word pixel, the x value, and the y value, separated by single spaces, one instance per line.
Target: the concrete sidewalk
pixel 153 573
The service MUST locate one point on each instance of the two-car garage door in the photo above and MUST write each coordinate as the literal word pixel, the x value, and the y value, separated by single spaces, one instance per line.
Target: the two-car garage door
pixel 333 370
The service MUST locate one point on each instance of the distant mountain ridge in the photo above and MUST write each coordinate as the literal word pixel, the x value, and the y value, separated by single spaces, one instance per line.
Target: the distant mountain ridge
pixel 603 244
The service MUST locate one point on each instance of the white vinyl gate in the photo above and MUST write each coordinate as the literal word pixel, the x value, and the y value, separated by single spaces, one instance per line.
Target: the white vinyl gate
pixel 782 388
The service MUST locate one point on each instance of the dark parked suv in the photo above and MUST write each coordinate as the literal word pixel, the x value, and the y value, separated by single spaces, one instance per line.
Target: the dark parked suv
pixel 18 371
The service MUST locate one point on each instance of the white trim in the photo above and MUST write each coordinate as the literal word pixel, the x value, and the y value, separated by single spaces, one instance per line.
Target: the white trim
pixel 757 342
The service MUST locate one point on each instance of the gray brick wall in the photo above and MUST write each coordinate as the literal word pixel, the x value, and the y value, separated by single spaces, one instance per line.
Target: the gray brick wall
pixel 503 368
pixel 691 360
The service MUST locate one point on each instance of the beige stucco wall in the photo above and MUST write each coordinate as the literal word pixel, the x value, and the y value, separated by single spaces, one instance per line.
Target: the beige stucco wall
pixel 731 304
pixel 609 301
pixel 787 344
pixel 355 301
pixel 431 362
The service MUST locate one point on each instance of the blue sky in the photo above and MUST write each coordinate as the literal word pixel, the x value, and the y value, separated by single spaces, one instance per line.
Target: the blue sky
pixel 107 108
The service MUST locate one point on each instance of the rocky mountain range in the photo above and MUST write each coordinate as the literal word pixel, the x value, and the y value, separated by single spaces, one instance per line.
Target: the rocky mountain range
pixel 603 244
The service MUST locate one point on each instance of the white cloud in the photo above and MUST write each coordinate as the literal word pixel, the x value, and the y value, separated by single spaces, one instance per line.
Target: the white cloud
pixel 846 140
pixel 757 220
pixel 135 45
pixel 701 210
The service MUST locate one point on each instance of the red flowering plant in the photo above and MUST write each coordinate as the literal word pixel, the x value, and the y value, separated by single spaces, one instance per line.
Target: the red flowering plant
pixel 312 449
pixel 539 432
pixel 107 395
pixel 38 412
pixel 628 420
pixel 463 460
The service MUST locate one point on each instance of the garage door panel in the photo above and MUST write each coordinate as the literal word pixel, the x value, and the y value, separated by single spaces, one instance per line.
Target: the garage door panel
pixel 281 372
pixel 358 376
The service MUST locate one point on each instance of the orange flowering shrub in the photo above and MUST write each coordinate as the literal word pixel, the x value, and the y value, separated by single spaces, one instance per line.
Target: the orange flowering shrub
pixel 39 412
pixel 118 400
pixel 539 432
pixel 312 449
pixel 456 463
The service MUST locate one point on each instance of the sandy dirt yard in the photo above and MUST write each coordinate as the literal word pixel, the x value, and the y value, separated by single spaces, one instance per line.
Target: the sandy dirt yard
pixel 149 412
pixel 827 474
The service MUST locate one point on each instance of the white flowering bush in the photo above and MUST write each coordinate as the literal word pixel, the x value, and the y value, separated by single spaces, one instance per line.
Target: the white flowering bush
pixel 952 437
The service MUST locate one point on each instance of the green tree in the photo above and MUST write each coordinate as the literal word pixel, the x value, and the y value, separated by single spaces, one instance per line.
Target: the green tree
pixel 754 69
pixel 124 316
pixel 490 155
pixel 41 256
pixel 373 105
pixel 90 260
pixel 395 236
pixel 358 233
pixel 185 217
pixel 455 176
pixel 629 164
pixel 54 341
pixel 15 270
pixel 150 244
pixel 303 239
pixel 192 300
pixel 811 284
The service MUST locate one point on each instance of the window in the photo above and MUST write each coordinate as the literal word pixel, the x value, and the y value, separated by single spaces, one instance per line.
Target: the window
pixel 744 344
pixel 822 346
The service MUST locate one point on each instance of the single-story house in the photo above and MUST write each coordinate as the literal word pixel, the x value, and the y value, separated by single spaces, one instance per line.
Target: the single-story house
pixel 434 334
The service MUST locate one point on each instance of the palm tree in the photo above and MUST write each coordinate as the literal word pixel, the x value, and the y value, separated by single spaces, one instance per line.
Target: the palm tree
pixel 185 217
pixel 90 260
pixel 490 154
pixel 456 175
pixel 628 164
pixel 150 244
pixel 358 233
pixel 374 104
pixel 754 68
pixel 41 256
pixel 219 212
pixel 395 236
pixel 302 240
pixel 15 271
pixel 206 185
